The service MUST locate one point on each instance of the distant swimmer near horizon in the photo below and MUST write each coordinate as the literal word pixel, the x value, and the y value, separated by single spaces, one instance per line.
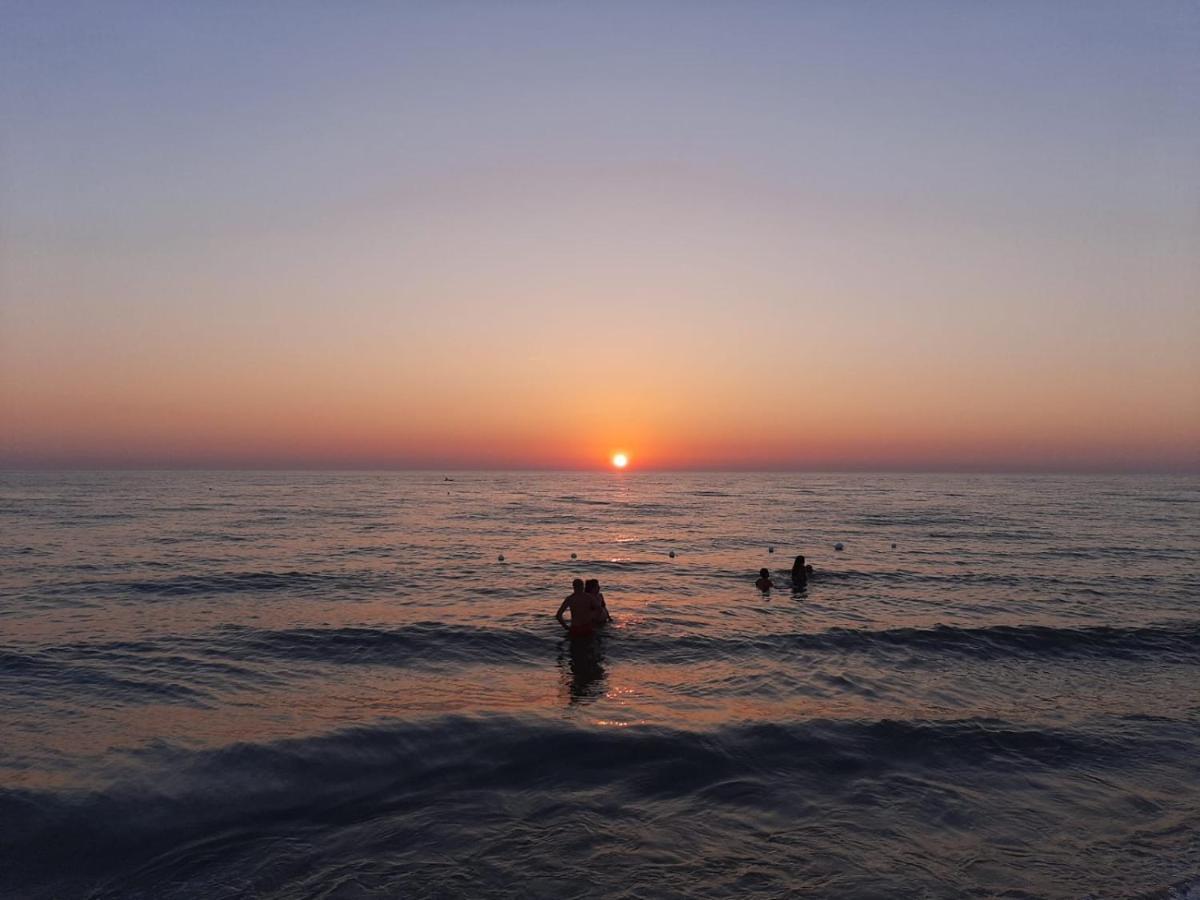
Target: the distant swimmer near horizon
pixel 584 609
pixel 764 582
pixel 801 572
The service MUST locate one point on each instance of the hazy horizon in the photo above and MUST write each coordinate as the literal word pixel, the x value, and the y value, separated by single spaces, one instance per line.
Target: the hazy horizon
pixel 600 470
pixel 767 236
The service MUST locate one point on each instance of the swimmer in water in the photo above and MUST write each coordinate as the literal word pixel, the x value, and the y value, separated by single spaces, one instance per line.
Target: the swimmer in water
pixel 764 582
pixel 583 607
pixel 592 588
pixel 801 572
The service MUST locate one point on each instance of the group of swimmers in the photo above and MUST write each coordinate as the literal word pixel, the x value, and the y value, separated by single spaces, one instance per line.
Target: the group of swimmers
pixel 801 572
pixel 589 611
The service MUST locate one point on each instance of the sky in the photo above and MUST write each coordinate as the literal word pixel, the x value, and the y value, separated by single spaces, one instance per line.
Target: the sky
pixel 793 235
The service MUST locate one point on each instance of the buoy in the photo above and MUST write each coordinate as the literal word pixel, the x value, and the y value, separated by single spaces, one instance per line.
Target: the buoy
pixel 500 558
pixel 671 554
pixel 893 546
pixel 770 549
pixel 574 557
pixel 838 546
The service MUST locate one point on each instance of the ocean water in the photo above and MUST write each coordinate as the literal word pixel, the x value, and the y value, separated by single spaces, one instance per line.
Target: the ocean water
pixel 288 685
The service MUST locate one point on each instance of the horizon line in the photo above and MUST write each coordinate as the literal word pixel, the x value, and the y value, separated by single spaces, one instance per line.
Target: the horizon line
pixel 1164 470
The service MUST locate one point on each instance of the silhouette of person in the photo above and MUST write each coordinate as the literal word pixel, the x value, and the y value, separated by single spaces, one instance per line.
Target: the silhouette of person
pixel 800 574
pixel 764 582
pixel 584 608
pixel 592 587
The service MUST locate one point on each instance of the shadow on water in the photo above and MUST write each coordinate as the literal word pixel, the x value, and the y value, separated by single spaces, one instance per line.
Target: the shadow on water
pixel 581 662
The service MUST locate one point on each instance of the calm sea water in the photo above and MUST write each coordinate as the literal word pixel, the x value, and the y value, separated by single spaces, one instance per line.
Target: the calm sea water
pixel 327 685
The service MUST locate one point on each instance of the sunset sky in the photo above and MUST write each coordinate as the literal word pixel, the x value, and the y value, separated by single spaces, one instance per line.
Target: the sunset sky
pixel 760 235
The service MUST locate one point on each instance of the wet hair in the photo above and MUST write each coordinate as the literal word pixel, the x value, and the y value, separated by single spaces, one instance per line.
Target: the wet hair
pixel 799 563
pixel 577 584
pixel 764 573
pixel 592 585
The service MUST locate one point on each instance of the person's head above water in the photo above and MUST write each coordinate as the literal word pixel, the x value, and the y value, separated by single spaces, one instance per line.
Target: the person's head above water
pixel 800 572
pixel 592 586
pixel 577 584
pixel 764 573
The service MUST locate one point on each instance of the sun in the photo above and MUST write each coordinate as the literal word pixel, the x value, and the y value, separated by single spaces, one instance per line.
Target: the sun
pixel 620 460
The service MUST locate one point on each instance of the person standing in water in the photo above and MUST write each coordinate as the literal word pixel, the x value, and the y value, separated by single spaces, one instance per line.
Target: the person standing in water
pixel 592 587
pixel 584 612
pixel 764 582
pixel 800 573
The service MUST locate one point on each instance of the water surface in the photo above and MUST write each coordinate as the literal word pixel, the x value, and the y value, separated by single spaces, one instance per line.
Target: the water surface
pixel 315 684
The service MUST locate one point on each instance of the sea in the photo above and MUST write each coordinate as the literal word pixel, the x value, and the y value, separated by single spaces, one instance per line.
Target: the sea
pixel 352 684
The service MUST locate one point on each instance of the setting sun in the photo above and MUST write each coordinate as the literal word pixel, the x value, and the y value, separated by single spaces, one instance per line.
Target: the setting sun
pixel 620 460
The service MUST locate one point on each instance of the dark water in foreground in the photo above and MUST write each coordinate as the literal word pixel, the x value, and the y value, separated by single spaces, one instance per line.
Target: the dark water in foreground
pixel 326 685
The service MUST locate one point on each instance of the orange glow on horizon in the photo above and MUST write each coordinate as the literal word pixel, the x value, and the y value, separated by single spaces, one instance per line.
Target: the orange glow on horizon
pixel 313 403
pixel 482 283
